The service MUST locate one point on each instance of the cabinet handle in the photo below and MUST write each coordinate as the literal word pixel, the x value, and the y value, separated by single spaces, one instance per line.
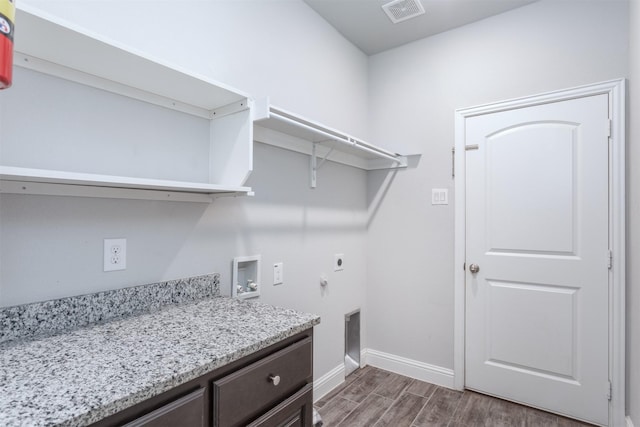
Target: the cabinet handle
pixel 275 379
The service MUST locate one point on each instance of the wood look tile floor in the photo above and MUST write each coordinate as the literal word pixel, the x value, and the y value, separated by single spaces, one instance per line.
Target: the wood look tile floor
pixel 371 397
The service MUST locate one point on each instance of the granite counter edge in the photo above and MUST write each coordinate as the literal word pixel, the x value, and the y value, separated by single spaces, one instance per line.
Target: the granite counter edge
pixel 111 408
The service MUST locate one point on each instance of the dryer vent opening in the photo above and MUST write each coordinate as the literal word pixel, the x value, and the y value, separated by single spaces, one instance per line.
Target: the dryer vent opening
pixel 351 342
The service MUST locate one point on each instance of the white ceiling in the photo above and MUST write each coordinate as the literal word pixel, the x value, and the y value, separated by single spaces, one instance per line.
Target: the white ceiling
pixel 364 23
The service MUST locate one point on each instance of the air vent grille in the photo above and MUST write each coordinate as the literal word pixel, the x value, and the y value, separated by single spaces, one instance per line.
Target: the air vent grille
pixel 401 10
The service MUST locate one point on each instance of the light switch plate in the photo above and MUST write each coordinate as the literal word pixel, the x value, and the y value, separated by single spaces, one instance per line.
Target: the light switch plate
pixel 439 196
pixel 278 273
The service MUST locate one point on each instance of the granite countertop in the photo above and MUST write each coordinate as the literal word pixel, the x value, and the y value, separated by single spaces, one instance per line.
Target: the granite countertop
pixel 84 375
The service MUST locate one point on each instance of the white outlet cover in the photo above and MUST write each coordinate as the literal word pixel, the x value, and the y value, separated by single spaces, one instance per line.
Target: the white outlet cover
pixel 338 262
pixel 115 254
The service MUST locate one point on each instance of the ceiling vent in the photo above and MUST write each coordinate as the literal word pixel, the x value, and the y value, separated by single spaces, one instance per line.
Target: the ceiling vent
pixel 401 10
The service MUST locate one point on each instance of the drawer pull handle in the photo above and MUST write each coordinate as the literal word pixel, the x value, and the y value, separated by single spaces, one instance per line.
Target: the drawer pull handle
pixel 275 379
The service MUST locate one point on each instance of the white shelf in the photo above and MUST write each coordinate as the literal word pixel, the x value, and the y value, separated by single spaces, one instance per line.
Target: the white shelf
pixel 51 45
pixel 54 47
pixel 15 179
pixel 284 129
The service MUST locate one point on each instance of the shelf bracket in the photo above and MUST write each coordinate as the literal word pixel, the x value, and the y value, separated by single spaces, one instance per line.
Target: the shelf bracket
pixel 313 170
pixel 324 159
pixel 314 167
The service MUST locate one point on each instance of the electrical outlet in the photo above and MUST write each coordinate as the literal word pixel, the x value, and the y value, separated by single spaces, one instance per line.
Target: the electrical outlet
pixel 338 262
pixel 278 273
pixel 115 254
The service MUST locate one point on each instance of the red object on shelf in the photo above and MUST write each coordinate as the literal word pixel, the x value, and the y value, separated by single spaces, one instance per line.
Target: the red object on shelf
pixel 7 14
pixel 6 62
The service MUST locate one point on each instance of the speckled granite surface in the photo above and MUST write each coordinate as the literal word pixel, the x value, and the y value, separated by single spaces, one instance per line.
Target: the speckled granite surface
pixel 87 374
pixel 55 316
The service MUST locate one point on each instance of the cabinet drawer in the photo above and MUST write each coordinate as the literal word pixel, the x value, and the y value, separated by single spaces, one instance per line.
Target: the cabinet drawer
pixel 187 411
pixel 251 391
pixel 296 411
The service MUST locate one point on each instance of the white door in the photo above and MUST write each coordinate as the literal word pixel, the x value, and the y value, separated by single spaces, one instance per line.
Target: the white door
pixel 537 228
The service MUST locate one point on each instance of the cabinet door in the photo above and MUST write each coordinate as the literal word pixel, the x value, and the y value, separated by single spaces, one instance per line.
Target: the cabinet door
pixel 296 411
pixel 188 411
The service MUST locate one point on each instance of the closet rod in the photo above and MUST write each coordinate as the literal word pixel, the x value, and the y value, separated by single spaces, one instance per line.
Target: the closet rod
pixel 352 143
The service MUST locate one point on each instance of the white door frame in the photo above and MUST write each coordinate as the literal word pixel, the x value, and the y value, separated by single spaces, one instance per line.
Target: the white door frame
pixel 616 91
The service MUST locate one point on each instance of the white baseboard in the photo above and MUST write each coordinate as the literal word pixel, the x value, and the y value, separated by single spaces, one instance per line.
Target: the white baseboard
pixel 364 355
pixel 629 422
pixel 408 367
pixel 389 362
pixel 332 379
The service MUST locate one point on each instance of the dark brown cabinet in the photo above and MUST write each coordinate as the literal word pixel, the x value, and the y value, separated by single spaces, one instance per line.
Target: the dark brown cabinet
pixel 251 391
pixel 270 388
pixel 186 411
pixel 296 411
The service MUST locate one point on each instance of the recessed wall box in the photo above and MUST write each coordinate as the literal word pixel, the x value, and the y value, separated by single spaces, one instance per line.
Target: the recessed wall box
pixel 245 281
pixel 351 342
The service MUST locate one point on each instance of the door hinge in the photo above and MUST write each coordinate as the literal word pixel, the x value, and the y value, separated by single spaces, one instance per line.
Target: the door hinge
pixel 453 162
pixel 609 259
pixel 609 387
pixel 609 125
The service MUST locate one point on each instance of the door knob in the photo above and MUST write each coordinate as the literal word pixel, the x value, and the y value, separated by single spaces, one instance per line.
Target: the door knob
pixel 474 268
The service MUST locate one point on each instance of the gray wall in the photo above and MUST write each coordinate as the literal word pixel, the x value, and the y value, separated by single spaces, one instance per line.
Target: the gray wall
pixel 633 220
pixel 52 246
pixel 276 48
pixel 414 91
